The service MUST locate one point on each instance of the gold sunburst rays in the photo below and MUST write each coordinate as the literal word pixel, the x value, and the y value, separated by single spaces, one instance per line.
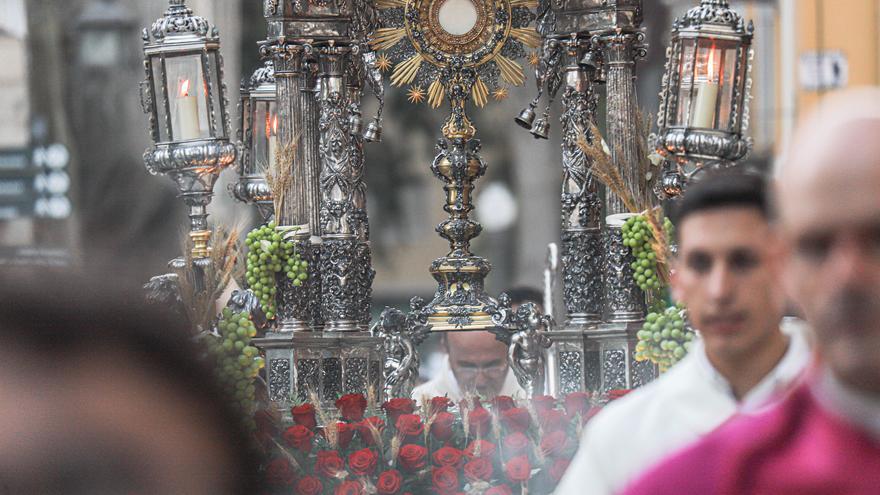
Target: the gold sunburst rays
pixel 436 92
pixel 383 63
pixel 405 72
pixel 415 95
pixel 385 38
pixel 534 58
pixel 390 4
pixel 511 72
pixel 500 93
pixel 480 93
pixel 526 36
pixel 529 4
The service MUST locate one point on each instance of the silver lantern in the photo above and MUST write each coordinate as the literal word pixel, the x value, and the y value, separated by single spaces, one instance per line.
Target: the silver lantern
pixel 704 113
pixel 258 139
pixel 185 99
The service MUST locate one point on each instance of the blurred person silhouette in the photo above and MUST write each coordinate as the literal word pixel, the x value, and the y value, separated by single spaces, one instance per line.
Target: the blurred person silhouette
pixel 100 394
pixel 476 362
pixel 727 274
pixel 825 437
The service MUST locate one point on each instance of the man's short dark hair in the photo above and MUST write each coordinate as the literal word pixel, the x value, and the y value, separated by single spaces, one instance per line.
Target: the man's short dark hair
pixel 723 190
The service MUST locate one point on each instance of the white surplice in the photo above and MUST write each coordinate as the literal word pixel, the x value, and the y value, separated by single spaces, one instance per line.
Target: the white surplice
pixel 635 432
pixel 446 384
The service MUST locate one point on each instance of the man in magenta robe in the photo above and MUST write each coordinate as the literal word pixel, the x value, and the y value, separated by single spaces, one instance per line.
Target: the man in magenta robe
pixel 825 437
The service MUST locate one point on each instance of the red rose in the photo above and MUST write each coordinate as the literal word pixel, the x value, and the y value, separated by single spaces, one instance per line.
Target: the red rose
pixel 502 489
pixel 543 403
pixel 502 403
pixel 362 462
pixel 553 420
pixel 349 488
pixel 441 428
pixel 516 419
pixel 299 437
pixel 309 485
pixel 479 422
pixel 480 448
pixel 617 393
pixel 440 404
pixel 448 456
pixel 516 443
pixel 368 434
pixel 304 415
pixel 279 472
pixel 409 425
pixel 557 469
pixel 577 403
pixel 395 407
pixel 555 443
pixel 328 463
pixel 352 406
pixel 518 469
pixel 389 482
pixel 445 479
pixel 412 457
pixel 344 434
pixel 478 470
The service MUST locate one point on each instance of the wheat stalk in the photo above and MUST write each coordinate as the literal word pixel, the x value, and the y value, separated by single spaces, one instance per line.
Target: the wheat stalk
pixel 279 175
pixel 604 169
pixel 200 303
pixel 660 242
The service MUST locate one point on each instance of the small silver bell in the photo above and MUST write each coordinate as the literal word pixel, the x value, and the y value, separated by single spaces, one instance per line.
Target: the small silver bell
pixel 355 124
pixel 373 133
pixel 541 129
pixel 526 117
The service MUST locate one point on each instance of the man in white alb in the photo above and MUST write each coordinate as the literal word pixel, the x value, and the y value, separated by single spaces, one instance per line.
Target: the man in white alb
pixel 476 362
pixel 727 273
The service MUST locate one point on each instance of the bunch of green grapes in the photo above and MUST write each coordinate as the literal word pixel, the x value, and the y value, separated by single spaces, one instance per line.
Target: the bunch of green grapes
pixel 268 255
pixel 237 362
pixel 664 338
pixel 638 236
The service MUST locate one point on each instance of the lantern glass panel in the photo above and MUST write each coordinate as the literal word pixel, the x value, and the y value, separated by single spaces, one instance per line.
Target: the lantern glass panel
pixel 187 95
pixel 713 78
pixel 157 66
pixel 266 144
pixel 686 81
pixel 217 95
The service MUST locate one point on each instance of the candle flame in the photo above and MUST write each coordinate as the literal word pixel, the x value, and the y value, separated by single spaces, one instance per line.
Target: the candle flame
pixel 184 88
pixel 711 73
pixel 272 125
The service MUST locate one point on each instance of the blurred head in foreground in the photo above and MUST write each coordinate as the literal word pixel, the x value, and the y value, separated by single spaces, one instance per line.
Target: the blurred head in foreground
pixel 727 268
pixel 99 394
pixel 829 199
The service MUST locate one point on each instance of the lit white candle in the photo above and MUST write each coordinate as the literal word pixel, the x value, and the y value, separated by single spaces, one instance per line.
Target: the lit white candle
pixel 704 108
pixel 187 114
pixel 707 96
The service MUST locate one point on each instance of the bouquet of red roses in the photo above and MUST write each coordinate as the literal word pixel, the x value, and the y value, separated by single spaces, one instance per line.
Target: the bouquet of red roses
pixel 498 448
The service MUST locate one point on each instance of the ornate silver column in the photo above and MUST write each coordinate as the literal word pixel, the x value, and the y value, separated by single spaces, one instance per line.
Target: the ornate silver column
pixel 620 49
pixel 586 43
pixel 321 345
pixel 582 250
pixel 345 265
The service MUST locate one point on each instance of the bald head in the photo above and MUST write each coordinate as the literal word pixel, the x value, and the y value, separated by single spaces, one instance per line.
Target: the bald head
pixel 829 200
pixel 478 361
